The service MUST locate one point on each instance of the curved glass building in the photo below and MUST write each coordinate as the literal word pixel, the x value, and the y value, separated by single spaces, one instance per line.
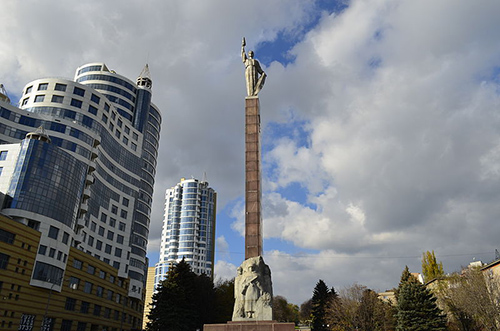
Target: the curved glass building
pixel 77 163
pixel 188 228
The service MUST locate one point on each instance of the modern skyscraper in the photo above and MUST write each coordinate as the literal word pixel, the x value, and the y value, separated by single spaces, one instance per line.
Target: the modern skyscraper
pixel 85 177
pixel 188 228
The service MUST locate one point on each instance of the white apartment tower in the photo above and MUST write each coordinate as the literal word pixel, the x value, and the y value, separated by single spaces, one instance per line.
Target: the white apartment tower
pixel 188 228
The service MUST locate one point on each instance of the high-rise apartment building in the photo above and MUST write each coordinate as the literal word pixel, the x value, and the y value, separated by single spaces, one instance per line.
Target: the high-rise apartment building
pixel 188 228
pixel 77 163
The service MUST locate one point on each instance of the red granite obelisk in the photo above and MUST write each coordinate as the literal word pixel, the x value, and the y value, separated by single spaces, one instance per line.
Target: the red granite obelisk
pixel 253 195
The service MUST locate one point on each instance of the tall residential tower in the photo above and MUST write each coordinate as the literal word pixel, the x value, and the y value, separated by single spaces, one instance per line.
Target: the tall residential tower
pixel 188 228
pixel 77 160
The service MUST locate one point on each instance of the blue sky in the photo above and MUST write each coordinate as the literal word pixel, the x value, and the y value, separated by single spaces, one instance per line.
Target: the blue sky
pixel 380 121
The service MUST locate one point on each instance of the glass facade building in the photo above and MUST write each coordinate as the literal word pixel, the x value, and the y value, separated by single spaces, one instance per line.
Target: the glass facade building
pixel 89 182
pixel 188 228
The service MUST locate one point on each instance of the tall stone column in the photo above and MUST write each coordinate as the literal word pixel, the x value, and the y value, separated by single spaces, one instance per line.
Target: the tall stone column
pixel 253 195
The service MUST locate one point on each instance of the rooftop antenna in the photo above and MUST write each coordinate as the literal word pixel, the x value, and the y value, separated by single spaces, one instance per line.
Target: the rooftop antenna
pixel 204 176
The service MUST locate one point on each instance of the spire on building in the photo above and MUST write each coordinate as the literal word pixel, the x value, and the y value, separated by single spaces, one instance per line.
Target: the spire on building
pixel 144 79
pixel 3 94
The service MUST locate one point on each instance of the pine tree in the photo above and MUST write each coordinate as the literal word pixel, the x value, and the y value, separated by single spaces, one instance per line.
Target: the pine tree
pixel 416 308
pixel 183 301
pixel 431 269
pixel 320 298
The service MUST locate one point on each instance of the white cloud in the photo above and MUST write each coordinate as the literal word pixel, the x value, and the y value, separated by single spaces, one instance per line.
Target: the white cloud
pixel 399 99
pixel 224 270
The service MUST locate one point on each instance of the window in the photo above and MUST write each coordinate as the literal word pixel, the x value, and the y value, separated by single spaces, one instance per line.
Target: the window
pixel 104 118
pixel 121 226
pixel 111 235
pixel 118 252
pixel 28 90
pixel 110 295
pixel 127 129
pixel 42 249
pixel 111 126
pixel 116 265
pixel 119 123
pixel 91 269
pixel 97 310
pixel 76 103
pixel 113 116
pixel 6 236
pixel 99 291
pixel 119 239
pixel 66 325
pixel 43 86
pixel 57 98
pixel 107 249
pixel 59 255
pixel 125 202
pixel 53 232
pixel 91 241
pixel 95 98
pixel 114 209
pixel 39 98
pixel 123 213
pixel 104 218
pixel 106 107
pixel 77 264
pixel 92 110
pixel 135 136
pixel 112 222
pixel 4 260
pixel 25 101
pixel 65 238
pixel 111 279
pixel 60 87
pixel 70 304
pixel 118 134
pixel 84 308
pixel 88 287
pixel 52 252
pixel 82 326
pixel 98 245
pixel 73 282
pixel 133 146
pixel 93 225
pixel 125 140
pixel 79 91
pixel 102 274
pixel 101 231
pixel 107 312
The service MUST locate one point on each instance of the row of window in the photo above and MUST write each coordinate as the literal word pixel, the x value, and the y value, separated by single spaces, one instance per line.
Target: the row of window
pixel 62 87
pixel 77 264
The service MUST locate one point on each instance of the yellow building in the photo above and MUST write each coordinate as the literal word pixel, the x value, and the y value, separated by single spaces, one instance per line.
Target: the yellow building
pixel 92 297
pixel 150 284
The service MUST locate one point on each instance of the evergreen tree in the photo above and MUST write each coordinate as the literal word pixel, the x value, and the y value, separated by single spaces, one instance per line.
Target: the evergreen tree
pixel 320 299
pixel 183 301
pixel 224 301
pixel 431 269
pixel 416 308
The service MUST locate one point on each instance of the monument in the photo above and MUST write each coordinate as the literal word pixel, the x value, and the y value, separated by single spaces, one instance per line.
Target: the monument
pixel 253 292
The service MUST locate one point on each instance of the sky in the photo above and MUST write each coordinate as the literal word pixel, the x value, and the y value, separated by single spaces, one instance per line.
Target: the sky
pixel 380 121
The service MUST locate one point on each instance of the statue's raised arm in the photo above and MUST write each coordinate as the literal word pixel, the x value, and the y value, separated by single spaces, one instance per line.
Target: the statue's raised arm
pixel 254 75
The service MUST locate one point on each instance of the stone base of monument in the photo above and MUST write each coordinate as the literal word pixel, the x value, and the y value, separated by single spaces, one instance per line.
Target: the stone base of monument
pixel 250 326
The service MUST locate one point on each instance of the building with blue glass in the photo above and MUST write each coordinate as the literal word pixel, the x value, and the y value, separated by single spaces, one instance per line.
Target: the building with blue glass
pixel 188 228
pixel 77 163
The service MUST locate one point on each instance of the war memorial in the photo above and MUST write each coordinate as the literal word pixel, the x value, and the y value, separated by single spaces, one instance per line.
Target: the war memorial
pixel 253 289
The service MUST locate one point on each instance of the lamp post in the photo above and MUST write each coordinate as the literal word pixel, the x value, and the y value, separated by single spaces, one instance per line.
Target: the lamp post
pixel 46 323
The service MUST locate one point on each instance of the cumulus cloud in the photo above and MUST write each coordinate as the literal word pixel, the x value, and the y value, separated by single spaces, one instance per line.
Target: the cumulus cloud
pixel 398 102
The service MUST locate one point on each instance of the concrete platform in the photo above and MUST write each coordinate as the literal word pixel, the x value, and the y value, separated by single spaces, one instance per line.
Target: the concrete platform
pixel 250 326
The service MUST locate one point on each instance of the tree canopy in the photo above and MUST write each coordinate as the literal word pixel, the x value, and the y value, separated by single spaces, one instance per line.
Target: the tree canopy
pixel 416 307
pixel 431 269
pixel 184 301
